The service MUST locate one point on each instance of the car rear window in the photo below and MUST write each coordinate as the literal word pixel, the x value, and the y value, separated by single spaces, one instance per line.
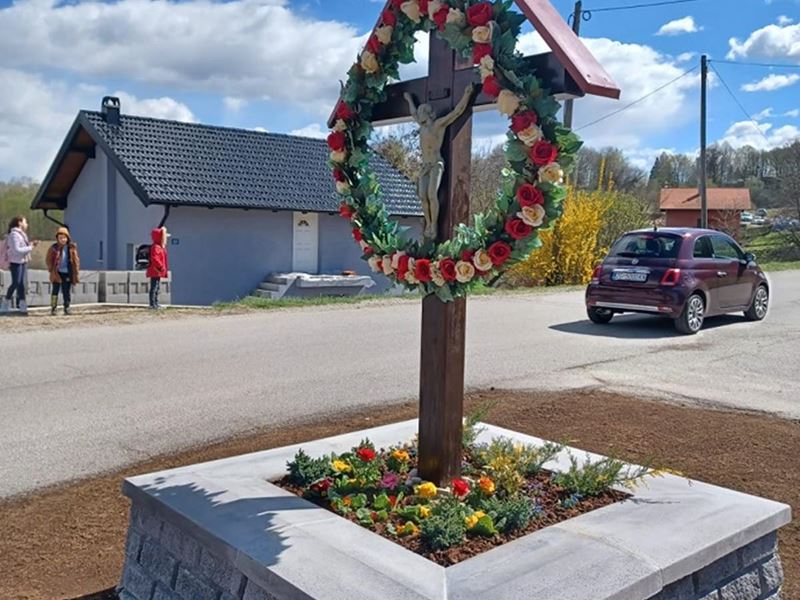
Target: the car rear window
pixel 647 245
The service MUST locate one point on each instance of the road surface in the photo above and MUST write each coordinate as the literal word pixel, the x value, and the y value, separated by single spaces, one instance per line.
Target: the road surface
pixel 79 401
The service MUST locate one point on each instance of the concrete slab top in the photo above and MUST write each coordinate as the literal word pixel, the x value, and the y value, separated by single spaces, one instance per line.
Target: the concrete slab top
pixel 669 528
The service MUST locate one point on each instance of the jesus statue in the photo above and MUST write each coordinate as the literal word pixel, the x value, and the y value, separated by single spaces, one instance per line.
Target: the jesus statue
pixel 431 138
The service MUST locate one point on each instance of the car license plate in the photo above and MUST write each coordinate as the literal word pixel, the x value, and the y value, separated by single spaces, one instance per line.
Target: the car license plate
pixel 625 275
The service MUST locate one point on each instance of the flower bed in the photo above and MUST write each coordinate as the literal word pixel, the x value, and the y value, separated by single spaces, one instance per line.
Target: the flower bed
pixel 504 493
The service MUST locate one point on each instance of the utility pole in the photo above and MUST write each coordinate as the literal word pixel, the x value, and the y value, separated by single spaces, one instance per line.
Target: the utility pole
pixel 702 169
pixel 576 27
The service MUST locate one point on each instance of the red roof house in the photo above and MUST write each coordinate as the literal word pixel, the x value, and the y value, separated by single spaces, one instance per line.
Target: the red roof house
pixel 725 205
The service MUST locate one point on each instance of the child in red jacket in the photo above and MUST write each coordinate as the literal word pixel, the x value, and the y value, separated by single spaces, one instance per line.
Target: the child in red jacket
pixel 158 266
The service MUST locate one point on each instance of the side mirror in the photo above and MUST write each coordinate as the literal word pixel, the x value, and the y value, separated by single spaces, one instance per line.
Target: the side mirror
pixel 749 257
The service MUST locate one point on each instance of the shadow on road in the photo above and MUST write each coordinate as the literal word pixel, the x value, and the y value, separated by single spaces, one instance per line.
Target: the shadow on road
pixel 640 327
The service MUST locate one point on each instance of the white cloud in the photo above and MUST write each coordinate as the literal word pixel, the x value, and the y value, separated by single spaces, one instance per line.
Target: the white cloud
pixel 679 27
pixel 246 49
pixel 157 108
pixel 771 82
pixel 784 20
pixel 744 133
pixel 764 114
pixel 686 56
pixel 794 113
pixel 772 41
pixel 234 104
pixel 314 130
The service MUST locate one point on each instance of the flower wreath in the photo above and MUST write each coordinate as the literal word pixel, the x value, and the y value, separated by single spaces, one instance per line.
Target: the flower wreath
pixel 538 151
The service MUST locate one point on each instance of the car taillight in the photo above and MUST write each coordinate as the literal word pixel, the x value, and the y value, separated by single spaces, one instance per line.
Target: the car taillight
pixel 671 277
pixel 596 274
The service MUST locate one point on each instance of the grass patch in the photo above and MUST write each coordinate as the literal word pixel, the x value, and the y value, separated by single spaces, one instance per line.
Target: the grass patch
pixel 781 266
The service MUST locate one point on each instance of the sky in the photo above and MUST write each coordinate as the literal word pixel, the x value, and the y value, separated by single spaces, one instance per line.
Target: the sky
pixel 275 65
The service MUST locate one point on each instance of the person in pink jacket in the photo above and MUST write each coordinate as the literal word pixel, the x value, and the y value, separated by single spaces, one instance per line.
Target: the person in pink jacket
pixel 18 251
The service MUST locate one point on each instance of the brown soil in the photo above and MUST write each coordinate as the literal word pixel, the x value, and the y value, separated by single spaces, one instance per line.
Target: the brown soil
pixel 68 541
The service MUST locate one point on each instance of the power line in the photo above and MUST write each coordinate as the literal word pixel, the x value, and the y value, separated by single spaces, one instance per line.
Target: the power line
pixel 755 64
pixel 741 107
pixel 637 101
pixel 632 6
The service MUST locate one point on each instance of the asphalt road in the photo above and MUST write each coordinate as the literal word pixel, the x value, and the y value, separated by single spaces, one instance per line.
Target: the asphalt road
pixel 79 401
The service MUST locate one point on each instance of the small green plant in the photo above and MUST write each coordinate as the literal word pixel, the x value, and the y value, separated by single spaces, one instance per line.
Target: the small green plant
pixel 443 530
pixel 512 513
pixel 510 462
pixel 593 478
pixel 471 430
pixel 304 470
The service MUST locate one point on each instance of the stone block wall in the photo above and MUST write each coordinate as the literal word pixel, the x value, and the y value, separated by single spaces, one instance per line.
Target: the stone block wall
pixel 164 563
pixel 753 572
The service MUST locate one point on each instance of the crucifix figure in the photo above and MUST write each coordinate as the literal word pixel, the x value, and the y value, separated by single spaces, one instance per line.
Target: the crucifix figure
pixel 431 138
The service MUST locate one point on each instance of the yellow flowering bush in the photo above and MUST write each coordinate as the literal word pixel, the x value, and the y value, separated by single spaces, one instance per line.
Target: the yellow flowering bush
pixel 427 490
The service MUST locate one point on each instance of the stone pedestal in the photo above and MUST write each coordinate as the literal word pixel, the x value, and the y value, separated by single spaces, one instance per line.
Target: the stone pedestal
pixel 221 531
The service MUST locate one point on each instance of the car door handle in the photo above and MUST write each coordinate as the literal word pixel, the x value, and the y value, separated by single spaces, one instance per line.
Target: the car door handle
pixel 722 274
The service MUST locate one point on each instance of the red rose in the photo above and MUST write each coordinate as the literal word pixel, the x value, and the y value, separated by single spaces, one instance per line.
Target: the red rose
pixel 402 266
pixel 543 153
pixel 460 487
pixel 447 267
pixel 479 14
pixel 346 211
pixel 440 17
pixel 422 269
pixel 466 255
pixel 343 111
pixel 388 17
pixel 529 195
pixel 499 252
pixel 338 175
pixel 479 51
pixel 321 486
pixel 368 251
pixel 337 140
pixel 523 120
pixel 357 234
pixel 366 454
pixel 518 229
pixel 397 3
pixel 423 7
pixel 374 45
pixel 491 86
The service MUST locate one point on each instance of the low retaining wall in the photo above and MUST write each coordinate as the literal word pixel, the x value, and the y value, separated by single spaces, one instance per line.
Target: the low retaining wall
pixel 120 287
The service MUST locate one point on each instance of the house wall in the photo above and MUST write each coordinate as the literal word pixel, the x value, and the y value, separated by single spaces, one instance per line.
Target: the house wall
pixel 134 223
pixel 683 218
pixel 86 213
pixel 725 220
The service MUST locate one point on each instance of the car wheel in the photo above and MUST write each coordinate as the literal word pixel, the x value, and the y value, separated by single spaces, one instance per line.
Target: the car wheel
pixel 693 315
pixel 601 316
pixel 758 309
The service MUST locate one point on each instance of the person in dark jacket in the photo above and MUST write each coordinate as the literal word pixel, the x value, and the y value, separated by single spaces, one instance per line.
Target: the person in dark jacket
pixel 158 266
pixel 64 265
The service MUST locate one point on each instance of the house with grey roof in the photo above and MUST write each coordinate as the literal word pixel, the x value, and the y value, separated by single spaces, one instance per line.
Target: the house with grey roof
pixel 240 205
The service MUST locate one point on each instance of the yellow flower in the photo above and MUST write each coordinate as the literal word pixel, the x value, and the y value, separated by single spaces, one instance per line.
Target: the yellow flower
pixel 464 271
pixel 347 500
pixel 401 455
pixel 341 466
pixel 384 34
pixel 508 102
pixel 408 529
pixel 482 261
pixel 412 10
pixel 427 490
pixel 473 519
pixel 487 485
pixel 369 62
pixel 424 512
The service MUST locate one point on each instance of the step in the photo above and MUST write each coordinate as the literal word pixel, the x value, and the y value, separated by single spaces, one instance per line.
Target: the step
pixel 270 287
pixel 259 293
pixel 278 279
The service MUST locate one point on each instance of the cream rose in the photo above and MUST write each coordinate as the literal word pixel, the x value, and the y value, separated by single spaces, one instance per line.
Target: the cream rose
pixel 338 156
pixel 384 34
pixel 551 173
pixel 375 263
pixel 396 260
pixel 342 187
pixel 387 265
pixel 464 271
pixel 482 261
pixel 369 62
pixel 530 135
pixel 410 276
pixel 532 215
pixel 434 6
pixel 482 34
pixel 436 275
pixel 507 102
pixel 412 11
pixel 457 17
pixel 486 67
pixel 340 125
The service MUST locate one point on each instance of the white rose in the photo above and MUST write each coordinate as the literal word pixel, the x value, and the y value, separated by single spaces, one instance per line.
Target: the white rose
pixel 530 135
pixel 486 67
pixel 410 276
pixel 464 271
pixel 412 11
pixel 396 260
pixel 551 173
pixel 482 261
pixel 482 34
pixel 384 34
pixel 532 215
pixel 338 156
pixel 387 265
pixel 375 263
pixel 340 125
pixel 436 275
pixel 369 62
pixel 342 187
pixel 434 6
pixel 456 17
pixel 507 102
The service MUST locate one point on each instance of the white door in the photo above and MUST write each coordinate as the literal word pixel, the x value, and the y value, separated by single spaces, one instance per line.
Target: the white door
pixel 305 252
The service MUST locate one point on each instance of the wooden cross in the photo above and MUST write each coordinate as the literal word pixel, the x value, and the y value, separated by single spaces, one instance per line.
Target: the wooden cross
pixel 569 71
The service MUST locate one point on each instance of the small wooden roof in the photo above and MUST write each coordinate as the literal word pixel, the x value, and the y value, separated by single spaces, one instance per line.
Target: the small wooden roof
pixel 718 199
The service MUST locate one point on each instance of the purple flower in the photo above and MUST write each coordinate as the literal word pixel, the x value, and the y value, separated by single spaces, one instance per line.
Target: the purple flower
pixel 390 480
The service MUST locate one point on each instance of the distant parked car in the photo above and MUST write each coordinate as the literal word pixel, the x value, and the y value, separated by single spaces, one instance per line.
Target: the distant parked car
pixel 759 220
pixel 681 273
pixel 746 217
pixel 761 212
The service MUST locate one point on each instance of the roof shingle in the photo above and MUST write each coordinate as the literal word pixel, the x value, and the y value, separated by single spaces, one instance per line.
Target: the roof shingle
pixel 718 199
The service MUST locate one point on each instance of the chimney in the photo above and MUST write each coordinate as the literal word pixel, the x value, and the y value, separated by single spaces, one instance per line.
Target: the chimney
pixel 110 109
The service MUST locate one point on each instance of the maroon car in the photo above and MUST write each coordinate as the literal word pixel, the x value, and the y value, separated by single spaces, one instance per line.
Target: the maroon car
pixel 686 274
